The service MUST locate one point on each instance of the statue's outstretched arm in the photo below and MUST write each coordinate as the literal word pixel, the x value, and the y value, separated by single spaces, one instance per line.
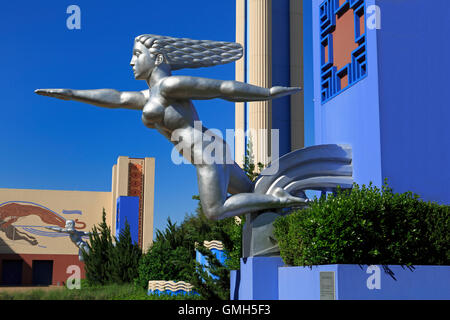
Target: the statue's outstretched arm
pixel 58 229
pixel 186 87
pixel 107 98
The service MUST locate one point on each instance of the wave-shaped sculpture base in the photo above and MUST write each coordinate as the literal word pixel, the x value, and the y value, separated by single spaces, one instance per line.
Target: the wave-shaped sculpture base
pixel 318 168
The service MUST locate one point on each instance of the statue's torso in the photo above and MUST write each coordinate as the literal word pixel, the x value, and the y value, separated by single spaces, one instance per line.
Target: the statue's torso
pixel 167 115
pixel 175 119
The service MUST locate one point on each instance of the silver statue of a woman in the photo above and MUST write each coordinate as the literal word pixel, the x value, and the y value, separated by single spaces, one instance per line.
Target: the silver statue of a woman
pixel 75 236
pixel 167 107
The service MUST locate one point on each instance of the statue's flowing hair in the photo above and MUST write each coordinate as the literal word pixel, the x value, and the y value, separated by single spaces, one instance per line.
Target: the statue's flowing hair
pixel 187 53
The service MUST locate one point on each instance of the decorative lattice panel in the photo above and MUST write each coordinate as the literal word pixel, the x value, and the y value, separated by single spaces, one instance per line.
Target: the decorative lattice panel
pixel 343 45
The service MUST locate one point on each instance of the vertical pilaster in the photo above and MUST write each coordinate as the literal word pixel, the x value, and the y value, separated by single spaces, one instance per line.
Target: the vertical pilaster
pixel 240 126
pixel 260 74
pixel 121 185
pixel 149 200
pixel 113 198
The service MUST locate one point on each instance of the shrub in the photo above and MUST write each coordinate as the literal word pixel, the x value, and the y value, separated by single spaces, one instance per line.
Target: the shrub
pixel 97 263
pixel 125 257
pixel 212 281
pixel 169 258
pixel 172 255
pixel 109 262
pixel 366 225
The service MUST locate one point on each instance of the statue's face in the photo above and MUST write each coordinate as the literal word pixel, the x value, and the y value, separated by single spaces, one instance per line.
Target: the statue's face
pixel 143 62
pixel 69 224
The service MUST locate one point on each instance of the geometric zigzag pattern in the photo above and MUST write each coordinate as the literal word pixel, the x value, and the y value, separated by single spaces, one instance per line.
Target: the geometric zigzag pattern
pixel 334 77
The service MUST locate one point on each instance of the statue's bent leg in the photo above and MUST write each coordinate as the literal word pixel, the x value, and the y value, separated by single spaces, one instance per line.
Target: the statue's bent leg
pixel 213 182
pixel 239 182
pixel 213 185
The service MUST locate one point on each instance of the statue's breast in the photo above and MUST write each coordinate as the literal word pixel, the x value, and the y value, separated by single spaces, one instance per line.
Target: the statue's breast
pixel 153 111
pixel 168 115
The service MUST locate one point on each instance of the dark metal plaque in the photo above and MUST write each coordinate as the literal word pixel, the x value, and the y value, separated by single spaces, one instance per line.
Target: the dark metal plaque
pixel 327 287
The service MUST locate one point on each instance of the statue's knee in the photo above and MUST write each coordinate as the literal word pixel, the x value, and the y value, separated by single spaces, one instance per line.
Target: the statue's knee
pixel 212 213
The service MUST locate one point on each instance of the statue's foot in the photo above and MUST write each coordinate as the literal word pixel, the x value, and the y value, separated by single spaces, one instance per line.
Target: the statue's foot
pixel 288 200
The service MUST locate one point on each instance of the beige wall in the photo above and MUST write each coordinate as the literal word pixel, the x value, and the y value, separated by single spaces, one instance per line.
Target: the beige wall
pixel 119 185
pixel 141 183
pixel 24 212
pixel 28 212
pixel 149 202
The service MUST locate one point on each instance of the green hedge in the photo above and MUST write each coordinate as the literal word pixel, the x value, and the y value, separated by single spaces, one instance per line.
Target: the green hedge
pixel 366 225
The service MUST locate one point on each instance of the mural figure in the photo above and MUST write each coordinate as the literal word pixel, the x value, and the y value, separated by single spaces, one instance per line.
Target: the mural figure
pixel 75 236
pixel 12 212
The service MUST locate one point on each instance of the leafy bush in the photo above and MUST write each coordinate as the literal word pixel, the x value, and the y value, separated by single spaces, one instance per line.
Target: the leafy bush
pixel 366 225
pixel 97 263
pixel 169 258
pixel 212 282
pixel 172 255
pixel 125 257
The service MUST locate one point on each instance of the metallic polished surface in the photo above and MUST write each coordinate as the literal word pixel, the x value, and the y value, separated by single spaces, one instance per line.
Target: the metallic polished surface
pixel 75 236
pixel 167 107
pixel 320 168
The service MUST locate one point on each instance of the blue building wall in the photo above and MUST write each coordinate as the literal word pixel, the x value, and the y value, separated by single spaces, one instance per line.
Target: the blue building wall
pixel 352 282
pixel 414 70
pixel 308 78
pixel 353 115
pixel 395 118
pixel 128 210
pixel 281 108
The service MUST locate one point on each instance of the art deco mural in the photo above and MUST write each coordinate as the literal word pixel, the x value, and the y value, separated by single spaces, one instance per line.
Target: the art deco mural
pixel 24 222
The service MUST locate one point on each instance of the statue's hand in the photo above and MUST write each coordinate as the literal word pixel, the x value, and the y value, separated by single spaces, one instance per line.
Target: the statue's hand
pixel 64 94
pixel 276 92
pixel 54 228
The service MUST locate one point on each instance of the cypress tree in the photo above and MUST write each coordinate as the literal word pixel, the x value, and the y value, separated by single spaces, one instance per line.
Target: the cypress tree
pixel 125 258
pixel 97 263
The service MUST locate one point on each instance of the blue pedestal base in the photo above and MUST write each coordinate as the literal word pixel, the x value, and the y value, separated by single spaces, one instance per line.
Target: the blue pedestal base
pixel 256 280
pixel 266 278
pixel 352 282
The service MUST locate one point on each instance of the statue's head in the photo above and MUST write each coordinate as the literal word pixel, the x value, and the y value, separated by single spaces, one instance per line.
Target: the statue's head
pixel 70 224
pixel 145 59
pixel 151 51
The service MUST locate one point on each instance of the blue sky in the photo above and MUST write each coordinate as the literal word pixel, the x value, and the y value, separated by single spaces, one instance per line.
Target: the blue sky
pixel 65 145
